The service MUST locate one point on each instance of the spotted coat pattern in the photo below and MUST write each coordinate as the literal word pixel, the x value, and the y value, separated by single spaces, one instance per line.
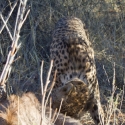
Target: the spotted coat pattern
pixel 73 57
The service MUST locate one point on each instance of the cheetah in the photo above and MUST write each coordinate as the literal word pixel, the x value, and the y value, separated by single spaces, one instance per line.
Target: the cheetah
pixel 76 80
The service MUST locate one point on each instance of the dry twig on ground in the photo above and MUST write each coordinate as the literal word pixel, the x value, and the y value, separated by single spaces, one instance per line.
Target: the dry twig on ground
pixel 25 110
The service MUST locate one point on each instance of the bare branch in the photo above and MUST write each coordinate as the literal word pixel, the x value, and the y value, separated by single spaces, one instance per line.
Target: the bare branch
pixel 50 109
pixel 25 16
pixel 6 26
pixel 41 78
pixel 44 92
pixel 17 19
pixel 54 116
pixel 53 83
pixel 1 29
pixel 15 46
pixel 59 110
pixel 20 15
pixel 113 82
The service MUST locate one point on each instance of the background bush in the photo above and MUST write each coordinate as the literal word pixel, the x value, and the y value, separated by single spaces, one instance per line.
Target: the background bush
pixel 104 20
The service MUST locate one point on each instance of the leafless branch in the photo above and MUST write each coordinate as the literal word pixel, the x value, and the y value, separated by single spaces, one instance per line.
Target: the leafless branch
pixel 15 46
pixel 52 85
pixel 1 29
pixel 113 82
pixel 6 27
pixel 44 92
pixel 41 77
pixel 59 110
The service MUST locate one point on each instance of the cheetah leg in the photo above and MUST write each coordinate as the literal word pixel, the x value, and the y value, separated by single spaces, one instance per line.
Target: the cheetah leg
pixel 96 110
pixel 97 113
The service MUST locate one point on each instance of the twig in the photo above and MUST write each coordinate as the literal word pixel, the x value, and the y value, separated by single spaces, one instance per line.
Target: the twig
pixel 106 75
pixel 7 67
pixel 17 18
pixel 1 29
pixel 26 16
pixel 44 91
pixel 47 81
pixel 111 107
pixel 54 116
pixel 58 110
pixel 15 46
pixel 41 77
pixel 18 24
pixel 6 26
pixel 113 82
pixel 64 119
pixel 50 109
pixel 53 83
pixel 10 4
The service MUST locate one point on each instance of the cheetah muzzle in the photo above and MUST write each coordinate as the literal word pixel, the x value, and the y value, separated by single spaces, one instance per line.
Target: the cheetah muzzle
pixel 76 98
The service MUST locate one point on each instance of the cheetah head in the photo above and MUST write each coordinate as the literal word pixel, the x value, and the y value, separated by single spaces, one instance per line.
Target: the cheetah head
pixel 75 97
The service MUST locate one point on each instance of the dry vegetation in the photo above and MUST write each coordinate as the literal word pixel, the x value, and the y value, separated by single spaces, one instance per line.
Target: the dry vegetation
pixel 27 110
pixel 105 21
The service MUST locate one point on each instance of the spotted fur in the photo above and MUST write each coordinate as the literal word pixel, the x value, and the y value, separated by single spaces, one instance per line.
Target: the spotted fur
pixel 73 57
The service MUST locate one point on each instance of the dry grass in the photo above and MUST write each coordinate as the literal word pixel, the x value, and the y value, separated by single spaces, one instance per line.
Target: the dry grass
pixel 23 110
pixel 105 22
pixel 26 109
